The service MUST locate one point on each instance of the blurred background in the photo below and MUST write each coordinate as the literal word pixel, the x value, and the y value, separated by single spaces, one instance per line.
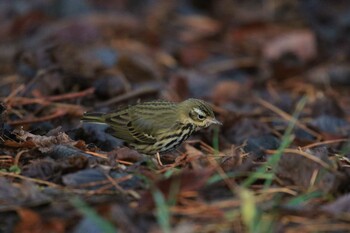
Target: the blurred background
pixel 215 50
pixel 256 61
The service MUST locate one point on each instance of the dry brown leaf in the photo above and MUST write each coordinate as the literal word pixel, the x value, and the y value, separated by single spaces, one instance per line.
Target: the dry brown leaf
pixel 45 143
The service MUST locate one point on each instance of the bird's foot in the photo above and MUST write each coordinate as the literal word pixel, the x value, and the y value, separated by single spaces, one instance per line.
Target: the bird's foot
pixel 158 160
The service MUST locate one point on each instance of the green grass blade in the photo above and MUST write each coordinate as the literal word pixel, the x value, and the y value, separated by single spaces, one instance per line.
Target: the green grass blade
pixel 162 208
pixel 90 213
pixel 287 139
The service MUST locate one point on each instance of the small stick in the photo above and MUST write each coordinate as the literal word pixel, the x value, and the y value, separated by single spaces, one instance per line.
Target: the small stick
pixel 15 101
pixel 58 113
pixel 286 116
pixel 325 143
pixel 129 95
pixel 105 157
pixel 50 184
pixel 73 95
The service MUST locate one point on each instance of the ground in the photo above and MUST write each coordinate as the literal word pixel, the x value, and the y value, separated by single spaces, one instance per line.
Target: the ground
pixel 275 72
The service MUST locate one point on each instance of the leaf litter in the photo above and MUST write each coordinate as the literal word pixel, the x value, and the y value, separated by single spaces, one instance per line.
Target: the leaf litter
pixel 271 167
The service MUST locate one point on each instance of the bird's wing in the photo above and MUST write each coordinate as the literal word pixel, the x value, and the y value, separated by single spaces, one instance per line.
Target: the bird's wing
pixel 143 122
pixel 119 122
pixel 146 126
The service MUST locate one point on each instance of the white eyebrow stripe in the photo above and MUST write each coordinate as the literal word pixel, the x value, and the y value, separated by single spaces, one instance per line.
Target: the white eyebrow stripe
pixel 200 112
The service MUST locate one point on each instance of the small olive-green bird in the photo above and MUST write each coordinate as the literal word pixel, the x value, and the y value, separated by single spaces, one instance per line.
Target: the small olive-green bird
pixel 157 126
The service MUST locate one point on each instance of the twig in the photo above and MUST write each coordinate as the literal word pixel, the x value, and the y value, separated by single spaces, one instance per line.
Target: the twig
pixel 9 80
pixel 6 160
pixel 31 179
pixel 325 143
pixel 53 185
pixel 173 165
pixel 18 156
pixel 8 99
pixel 286 116
pixel 73 95
pixel 19 101
pixel 129 95
pixel 39 74
pixel 310 157
pixel 58 113
pixel 115 182
pixel 231 185
pixel 105 157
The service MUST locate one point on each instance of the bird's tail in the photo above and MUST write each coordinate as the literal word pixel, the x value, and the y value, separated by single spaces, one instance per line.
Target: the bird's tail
pixel 93 117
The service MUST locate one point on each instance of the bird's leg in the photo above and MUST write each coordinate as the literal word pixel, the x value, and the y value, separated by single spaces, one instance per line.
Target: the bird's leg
pixel 158 160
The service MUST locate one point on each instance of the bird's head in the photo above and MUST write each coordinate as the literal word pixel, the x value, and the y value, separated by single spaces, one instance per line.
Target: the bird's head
pixel 197 112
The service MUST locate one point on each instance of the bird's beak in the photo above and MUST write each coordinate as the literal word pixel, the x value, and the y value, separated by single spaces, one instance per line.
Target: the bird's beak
pixel 214 121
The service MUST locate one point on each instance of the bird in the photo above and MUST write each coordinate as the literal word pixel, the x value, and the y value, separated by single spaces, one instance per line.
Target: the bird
pixel 156 126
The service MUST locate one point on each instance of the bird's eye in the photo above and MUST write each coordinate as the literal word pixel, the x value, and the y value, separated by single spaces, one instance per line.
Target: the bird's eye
pixel 201 117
